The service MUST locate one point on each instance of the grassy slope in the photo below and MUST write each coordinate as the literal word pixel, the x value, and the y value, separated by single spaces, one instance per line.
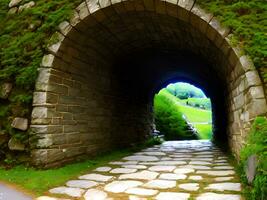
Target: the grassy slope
pixel 39 181
pixel 194 115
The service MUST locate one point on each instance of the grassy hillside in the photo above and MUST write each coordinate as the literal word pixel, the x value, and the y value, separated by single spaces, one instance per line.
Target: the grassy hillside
pixel 169 120
pixel 198 117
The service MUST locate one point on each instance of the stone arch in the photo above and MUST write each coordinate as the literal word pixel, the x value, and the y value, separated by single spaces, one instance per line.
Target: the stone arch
pixel 82 104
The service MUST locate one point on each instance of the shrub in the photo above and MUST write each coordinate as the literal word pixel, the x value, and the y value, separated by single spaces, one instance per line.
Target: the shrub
pixel 256 145
pixel 169 120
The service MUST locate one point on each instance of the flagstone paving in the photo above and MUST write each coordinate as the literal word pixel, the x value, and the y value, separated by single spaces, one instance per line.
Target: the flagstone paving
pixel 176 170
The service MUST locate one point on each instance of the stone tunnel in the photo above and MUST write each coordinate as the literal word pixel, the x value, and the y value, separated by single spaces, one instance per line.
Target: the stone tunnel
pixel 96 86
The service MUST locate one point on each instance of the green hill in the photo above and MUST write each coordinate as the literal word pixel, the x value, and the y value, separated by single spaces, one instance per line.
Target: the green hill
pixel 199 118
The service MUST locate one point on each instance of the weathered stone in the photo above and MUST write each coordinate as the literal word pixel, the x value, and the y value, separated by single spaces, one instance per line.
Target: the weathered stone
pixel 167 162
pixel 94 194
pixel 135 166
pixel 171 176
pixel 16 145
pixel 141 191
pixel 13 3
pixel 96 177
pixel 214 196
pixel 162 168
pixel 81 184
pixel 183 170
pixel 155 153
pixel 73 192
pixel 103 169
pixel 216 173
pixel 228 178
pixel 20 123
pixel 223 167
pixel 122 171
pixel 199 163
pixel 189 186
pixel 195 178
pixel 197 166
pixel 160 184
pixel 5 90
pixel 141 158
pixel 173 196
pixel 12 10
pixel 48 60
pixel 26 6
pixel 224 186
pixel 251 167
pixel 143 175
pixel 121 186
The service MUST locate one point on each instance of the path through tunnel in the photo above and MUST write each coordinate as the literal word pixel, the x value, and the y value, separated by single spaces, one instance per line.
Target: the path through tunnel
pixel 95 89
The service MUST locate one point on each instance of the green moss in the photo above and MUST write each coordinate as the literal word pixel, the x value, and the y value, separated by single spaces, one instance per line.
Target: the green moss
pixel 247 21
pixel 256 145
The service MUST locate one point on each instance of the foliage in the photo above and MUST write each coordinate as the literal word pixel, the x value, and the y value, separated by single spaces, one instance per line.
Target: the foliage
pixel 256 145
pixel 154 140
pixel 185 90
pixel 23 40
pixel 169 120
pixel 247 21
pixel 200 119
pixel 203 103
pixel 204 130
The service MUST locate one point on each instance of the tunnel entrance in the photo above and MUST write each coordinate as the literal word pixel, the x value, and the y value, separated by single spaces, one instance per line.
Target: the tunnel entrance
pixel 182 112
pixel 95 88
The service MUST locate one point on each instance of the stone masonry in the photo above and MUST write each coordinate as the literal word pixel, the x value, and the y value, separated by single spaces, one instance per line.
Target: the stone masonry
pixel 86 100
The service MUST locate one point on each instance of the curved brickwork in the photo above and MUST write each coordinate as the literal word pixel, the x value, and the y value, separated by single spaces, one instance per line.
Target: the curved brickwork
pixel 94 88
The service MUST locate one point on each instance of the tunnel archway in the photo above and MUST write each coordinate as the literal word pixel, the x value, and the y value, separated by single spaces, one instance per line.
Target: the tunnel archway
pixel 94 88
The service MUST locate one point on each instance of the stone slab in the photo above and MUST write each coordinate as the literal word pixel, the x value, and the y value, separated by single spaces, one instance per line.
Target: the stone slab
pixel 141 191
pixel 94 194
pixel 215 196
pixel 172 196
pixel 121 186
pixel 73 192
pixel 81 184
pixel 224 186
pixel 160 184
pixel 143 175
pixel 96 177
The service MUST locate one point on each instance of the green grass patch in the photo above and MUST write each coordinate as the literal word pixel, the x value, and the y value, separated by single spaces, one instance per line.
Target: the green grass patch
pixel 169 119
pixel 204 131
pixel 39 181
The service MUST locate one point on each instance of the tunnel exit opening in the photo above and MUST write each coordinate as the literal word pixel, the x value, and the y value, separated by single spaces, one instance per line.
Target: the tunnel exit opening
pixel 182 112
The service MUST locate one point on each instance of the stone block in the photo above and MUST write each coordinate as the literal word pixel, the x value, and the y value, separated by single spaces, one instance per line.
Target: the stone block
pixel 82 10
pixel 5 90
pixel 26 6
pixel 257 107
pixel 187 4
pixel 16 145
pixel 256 92
pixel 13 3
pixel 251 167
pixel 252 78
pixel 20 123
pixel 65 27
pixel 92 5
pixel 48 60
pixel 104 3
pixel 246 63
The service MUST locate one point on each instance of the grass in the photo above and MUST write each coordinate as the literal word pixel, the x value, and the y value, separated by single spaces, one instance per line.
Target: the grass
pixel 39 181
pixel 193 115
pixel 204 130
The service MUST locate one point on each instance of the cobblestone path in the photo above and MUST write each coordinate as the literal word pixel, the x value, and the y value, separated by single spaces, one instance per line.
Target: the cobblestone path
pixel 175 170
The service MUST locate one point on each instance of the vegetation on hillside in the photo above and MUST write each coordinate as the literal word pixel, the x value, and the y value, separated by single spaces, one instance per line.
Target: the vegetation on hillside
pixel 247 21
pixel 199 118
pixel 169 120
pixel 256 145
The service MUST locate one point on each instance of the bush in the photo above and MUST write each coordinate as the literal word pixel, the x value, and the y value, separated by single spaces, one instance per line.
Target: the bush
pixel 256 145
pixel 169 120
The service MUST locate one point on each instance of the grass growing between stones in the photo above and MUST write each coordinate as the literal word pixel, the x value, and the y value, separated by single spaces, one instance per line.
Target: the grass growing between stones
pixel 39 181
